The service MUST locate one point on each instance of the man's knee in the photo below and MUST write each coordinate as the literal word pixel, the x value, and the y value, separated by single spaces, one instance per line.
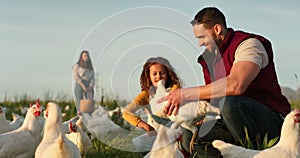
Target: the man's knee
pixel 230 106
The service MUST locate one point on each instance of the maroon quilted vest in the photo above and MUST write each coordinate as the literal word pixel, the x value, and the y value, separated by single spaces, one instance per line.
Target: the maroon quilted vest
pixel 264 88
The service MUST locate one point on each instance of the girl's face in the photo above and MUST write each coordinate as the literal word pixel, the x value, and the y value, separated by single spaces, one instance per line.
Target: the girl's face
pixel 85 57
pixel 157 72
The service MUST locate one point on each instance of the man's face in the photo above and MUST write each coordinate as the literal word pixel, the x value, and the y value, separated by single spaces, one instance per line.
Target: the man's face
pixel 206 37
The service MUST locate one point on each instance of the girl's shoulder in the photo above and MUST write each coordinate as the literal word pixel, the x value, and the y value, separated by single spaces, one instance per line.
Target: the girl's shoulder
pixel 174 86
pixel 143 94
pixel 142 98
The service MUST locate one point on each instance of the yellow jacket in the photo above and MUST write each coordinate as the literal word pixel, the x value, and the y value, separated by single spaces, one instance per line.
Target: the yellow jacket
pixel 140 101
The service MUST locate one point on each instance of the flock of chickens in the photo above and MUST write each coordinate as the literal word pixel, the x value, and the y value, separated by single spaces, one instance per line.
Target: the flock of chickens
pixel 42 137
pixel 48 136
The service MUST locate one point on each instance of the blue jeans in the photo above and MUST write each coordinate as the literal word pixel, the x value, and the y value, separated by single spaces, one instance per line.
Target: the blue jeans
pixel 237 112
pixel 240 112
pixel 79 93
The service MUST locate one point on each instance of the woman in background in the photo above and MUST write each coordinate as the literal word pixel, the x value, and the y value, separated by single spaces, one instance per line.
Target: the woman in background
pixel 83 74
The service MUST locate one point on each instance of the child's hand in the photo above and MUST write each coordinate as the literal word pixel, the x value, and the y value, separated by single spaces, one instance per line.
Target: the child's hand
pixel 149 129
pixel 151 133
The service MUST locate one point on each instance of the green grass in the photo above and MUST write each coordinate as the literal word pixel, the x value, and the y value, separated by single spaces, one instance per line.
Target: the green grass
pixel 247 143
pixel 295 104
pixel 100 149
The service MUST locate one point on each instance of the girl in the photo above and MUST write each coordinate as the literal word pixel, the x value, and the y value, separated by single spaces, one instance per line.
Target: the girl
pixel 154 69
pixel 83 74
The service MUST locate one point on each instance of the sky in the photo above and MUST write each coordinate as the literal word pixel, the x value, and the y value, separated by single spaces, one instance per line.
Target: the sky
pixel 40 41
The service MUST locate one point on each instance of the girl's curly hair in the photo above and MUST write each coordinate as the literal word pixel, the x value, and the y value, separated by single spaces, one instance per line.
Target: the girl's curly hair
pixel 145 81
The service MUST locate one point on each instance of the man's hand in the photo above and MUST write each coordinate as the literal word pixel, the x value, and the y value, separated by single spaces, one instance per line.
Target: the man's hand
pixel 174 98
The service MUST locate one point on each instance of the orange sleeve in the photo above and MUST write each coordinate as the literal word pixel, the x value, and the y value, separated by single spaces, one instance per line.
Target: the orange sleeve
pixel 129 114
pixel 174 87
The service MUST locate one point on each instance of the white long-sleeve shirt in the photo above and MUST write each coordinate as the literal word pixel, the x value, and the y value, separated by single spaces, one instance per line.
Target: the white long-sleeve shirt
pixel 80 73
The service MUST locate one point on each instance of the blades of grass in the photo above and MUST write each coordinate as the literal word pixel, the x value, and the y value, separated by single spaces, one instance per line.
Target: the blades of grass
pixel 265 142
pixel 249 144
pixel 272 142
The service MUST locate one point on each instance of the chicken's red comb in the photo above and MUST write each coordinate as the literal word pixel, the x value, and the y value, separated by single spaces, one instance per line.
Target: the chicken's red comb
pixel 72 128
pixel 37 103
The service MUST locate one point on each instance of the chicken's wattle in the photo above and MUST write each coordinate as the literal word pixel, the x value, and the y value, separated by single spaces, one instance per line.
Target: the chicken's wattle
pixel 37 113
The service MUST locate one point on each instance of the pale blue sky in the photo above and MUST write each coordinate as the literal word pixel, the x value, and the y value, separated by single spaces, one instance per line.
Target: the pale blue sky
pixel 40 41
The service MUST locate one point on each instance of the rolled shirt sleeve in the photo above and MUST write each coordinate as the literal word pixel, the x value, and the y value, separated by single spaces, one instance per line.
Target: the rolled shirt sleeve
pixel 252 50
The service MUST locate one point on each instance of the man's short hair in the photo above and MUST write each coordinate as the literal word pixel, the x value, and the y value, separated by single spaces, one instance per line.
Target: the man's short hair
pixel 209 16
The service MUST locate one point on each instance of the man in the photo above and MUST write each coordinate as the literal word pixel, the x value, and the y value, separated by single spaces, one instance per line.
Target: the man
pixel 239 68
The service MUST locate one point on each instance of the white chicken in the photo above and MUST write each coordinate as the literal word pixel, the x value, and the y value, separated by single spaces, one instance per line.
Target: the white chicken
pixel 65 125
pixel 17 119
pixel 54 142
pixel 151 121
pixel 67 129
pixel 144 142
pixel 117 111
pixel 188 113
pixel 287 147
pixel 81 125
pixel 5 125
pixel 99 124
pixel 22 142
pixel 165 143
pixel 79 137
